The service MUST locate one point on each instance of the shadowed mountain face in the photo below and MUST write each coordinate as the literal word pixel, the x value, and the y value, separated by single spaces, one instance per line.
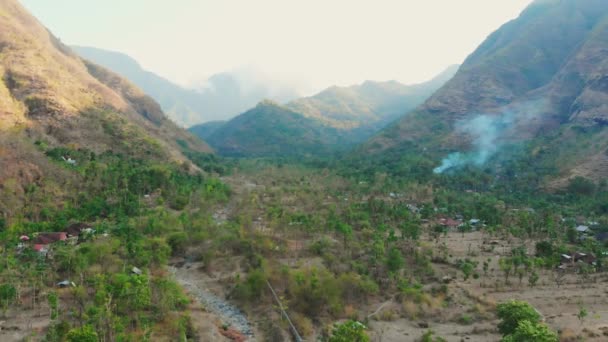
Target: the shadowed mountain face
pixel 333 120
pixel 540 78
pixel 270 129
pixel 51 97
pixel 224 95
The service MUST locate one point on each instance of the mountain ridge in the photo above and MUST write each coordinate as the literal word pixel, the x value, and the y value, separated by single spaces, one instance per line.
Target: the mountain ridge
pixel 224 96
pixel 553 54
pixel 331 121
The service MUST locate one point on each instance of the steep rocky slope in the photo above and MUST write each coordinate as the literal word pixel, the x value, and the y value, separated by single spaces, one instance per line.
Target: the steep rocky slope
pixel 51 97
pixel 224 95
pixel 539 80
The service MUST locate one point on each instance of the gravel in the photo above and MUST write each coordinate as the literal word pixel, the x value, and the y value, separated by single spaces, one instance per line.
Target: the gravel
pixel 228 313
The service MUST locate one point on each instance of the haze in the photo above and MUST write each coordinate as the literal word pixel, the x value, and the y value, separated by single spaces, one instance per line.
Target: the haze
pixel 313 43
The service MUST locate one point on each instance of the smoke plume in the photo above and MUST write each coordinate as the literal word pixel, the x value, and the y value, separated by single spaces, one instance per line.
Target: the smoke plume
pixel 486 131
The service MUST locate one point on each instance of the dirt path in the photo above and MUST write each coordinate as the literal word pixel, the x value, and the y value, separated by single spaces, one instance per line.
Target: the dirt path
pixel 226 312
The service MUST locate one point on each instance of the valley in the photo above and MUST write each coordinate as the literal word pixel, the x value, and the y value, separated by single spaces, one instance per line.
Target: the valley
pixel 470 207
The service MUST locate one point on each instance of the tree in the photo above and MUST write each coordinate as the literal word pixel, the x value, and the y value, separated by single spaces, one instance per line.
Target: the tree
pixel 533 279
pixel 512 313
pixel 8 293
pixel 533 332
pixel 53 304
pixel 345 229
pixel 559 276
pixel 582 314
pixel 506 265
pixel 410 230
pixel 350 331
pixel 84 334
pixel 467 267
pixel 394 260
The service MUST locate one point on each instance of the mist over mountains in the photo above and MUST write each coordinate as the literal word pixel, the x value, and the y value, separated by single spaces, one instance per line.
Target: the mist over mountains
pixel 336 119
pixel 220 97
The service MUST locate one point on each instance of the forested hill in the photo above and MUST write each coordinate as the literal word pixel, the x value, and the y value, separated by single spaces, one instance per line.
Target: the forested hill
pixel 334 120
pixel 271 130
pixel 535 88
pixel 91 170
pixel 370 104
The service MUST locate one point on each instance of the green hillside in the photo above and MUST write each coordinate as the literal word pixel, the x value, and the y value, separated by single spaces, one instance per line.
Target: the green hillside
pixel 270 129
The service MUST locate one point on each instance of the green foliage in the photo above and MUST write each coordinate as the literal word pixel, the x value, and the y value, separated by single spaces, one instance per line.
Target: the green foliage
pixel 514 312
pixel 253 287
pixel 467 267
pixel 527 331
pixel 581 186
pixel 8 293
pixel 350 331
pixel 178 242
pixel 394 260
pixel 57 332
pixel 429 336
pixel 85 333
pixel 53 302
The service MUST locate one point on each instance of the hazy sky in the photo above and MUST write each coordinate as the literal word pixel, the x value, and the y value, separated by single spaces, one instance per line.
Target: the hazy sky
pixel 316 42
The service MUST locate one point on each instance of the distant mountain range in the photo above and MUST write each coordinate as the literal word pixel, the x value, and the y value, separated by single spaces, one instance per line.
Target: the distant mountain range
pixel 333 120
pixel 224 95
pixel 539 84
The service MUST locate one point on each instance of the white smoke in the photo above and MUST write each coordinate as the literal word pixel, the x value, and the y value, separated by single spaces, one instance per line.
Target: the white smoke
pixel 487 131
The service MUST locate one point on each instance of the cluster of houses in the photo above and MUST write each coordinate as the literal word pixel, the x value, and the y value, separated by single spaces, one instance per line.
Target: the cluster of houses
pixel 589 230
pixel 453 223
pixel 577 259
pixel 43 242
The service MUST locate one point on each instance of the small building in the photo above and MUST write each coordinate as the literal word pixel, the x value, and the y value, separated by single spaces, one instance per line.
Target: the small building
pixel 565 259
pixel 136 271
pixel 449 222
pixel 66 283
pixel 582 229
pixel 474 222
pixel 587 258
pixel 43 250
pixel 49 238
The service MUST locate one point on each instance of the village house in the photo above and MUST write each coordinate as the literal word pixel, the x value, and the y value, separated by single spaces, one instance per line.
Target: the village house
pixel 449 223
pixel 42 241
pixel 577 258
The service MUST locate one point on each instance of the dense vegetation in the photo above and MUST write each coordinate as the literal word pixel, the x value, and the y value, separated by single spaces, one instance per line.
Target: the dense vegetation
pixel 136 208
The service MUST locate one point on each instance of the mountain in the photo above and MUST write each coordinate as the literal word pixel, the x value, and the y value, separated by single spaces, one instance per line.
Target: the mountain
pixel 539 83
pixel 371 104
pixel 270 129
pixel 222 97
pixel 205 130
pixel 333 120
pixel 51 100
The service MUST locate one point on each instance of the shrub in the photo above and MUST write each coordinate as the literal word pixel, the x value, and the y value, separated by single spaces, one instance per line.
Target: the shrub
pixel 84 334
pixel 178 243
pixel 350 331
pixel 529 331
pixel 512 313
